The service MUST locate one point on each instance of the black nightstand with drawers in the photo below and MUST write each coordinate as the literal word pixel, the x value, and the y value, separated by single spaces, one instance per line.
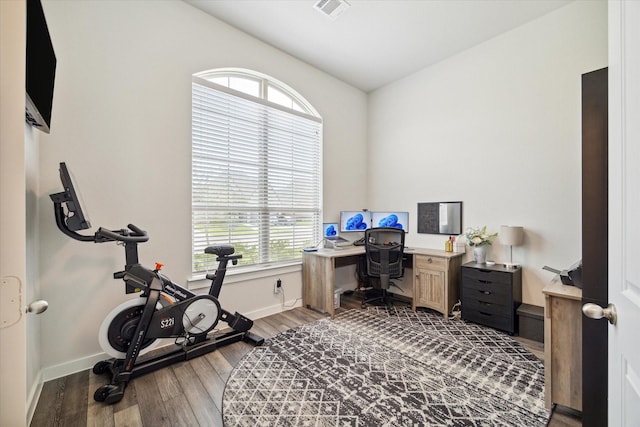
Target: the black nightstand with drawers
pixel 490 295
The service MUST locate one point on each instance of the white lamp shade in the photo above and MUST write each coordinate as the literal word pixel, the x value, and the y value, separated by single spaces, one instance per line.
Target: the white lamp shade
pixel 511 235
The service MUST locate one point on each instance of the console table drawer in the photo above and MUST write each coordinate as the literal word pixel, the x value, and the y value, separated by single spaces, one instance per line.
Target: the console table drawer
pixel 430 262
pixel 488 319
pixel 492 296
pixel 475 287
pixel 493 307
pixel 486 276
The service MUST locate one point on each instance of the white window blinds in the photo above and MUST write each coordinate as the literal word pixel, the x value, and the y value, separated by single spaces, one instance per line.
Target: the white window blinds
pixel 256 177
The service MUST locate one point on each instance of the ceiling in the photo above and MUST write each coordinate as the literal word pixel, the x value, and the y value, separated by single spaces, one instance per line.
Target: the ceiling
pixel 375 42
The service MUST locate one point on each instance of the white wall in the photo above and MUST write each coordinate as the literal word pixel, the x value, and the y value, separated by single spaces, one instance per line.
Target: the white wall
pixel 122 122
pixel 498 127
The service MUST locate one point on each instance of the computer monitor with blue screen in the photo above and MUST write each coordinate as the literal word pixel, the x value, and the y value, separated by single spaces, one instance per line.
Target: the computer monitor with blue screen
pixel 330 229
pixel 331 236
pixel 355 220
pixel 390 219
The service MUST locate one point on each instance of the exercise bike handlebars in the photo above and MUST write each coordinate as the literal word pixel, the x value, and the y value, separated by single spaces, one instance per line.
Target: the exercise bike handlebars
pixel 133 235
pixel 123 235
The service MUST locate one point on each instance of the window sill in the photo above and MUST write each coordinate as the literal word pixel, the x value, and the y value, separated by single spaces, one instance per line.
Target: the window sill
pixel 244 274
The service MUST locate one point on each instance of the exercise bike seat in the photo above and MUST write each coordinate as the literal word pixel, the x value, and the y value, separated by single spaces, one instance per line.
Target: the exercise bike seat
pixel 220 250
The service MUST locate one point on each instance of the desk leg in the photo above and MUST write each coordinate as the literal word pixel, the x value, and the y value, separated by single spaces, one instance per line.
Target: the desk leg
pixel 318 278
pixel 547 353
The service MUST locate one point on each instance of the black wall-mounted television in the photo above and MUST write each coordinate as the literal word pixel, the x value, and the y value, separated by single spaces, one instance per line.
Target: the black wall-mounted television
pixel 40 69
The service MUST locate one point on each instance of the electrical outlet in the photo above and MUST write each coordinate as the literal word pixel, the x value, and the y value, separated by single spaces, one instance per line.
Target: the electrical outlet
pixel 276 286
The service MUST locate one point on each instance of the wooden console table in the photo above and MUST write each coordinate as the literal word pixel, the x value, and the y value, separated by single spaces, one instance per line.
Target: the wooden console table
pixel 563 345
pixel 435 283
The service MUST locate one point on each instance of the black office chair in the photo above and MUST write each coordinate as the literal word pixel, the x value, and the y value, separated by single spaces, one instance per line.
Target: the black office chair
pixel 384 252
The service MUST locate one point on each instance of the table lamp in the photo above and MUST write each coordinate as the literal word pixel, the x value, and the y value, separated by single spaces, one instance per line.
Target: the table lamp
pixel 512 236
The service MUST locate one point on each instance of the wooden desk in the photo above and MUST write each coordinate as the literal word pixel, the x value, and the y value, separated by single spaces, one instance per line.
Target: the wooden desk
pixel 318 276
pixel 563 345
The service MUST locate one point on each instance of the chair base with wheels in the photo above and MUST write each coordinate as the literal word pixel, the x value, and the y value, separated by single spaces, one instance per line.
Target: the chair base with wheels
pixel 380 297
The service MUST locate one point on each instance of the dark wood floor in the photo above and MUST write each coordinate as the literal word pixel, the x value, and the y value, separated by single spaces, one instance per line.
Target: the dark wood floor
pixel 185 394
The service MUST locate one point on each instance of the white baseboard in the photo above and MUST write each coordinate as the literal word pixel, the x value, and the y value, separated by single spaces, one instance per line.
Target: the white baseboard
pixel 34 396
pixel 84 363
pixel 274 309
pixel 73 366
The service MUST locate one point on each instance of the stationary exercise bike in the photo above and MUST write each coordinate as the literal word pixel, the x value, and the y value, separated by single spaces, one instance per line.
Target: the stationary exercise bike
pixel 163 310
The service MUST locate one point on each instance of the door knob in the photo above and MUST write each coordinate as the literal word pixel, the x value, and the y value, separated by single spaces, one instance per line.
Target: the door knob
pixel 37 307
pixel 594 311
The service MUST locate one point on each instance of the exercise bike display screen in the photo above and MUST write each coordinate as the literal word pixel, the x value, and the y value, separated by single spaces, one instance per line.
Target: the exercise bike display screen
pixel 75 217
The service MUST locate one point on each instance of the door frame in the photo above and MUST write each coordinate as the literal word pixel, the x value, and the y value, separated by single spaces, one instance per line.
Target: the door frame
pixel 624 211
pixel 594 243
pixel 13 263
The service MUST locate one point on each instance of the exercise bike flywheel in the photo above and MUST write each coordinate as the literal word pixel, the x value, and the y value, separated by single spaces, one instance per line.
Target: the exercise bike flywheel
pixel 118 328
pixel 199 315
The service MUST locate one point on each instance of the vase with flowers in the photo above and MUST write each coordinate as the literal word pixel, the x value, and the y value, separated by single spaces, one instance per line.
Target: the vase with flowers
pixel 479 240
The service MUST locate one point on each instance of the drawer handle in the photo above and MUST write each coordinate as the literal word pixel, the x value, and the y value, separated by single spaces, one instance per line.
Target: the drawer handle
pixel 429 260
pixel 485 281
pixel 486 304
pixel 484 314
pixel 485 292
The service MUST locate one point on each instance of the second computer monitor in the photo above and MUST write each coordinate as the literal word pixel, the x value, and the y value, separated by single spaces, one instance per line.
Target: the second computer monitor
pixel 390 219
pixel 330 229
pixel 355 220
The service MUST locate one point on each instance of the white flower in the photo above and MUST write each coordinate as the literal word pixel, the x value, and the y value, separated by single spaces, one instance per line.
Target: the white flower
pixel 478 236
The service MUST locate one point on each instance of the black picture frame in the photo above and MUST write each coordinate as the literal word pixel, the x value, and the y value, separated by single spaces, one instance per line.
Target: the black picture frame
pixel 432 221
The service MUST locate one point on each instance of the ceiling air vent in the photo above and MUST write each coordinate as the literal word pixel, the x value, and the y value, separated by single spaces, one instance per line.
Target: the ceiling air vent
pixel 331 8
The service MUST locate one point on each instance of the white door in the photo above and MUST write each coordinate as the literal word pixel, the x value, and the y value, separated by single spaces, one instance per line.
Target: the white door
pixel 624 212
pixel 13 394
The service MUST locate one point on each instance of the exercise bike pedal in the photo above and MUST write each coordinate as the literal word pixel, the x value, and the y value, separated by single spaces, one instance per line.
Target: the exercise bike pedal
pixel 254 339
pixel 102 367
pixel 238 322
pixel 110 393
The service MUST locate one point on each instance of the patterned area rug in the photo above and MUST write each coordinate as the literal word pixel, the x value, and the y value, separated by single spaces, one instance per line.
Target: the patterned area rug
pixel 380 368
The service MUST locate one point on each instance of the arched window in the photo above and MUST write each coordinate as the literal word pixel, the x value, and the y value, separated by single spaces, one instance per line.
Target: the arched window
pixel 256 168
